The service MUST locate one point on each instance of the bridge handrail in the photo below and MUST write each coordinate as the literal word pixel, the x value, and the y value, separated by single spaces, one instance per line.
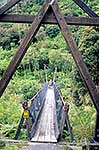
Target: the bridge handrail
pixel 36 102
pixel 60 94
pixel 34 97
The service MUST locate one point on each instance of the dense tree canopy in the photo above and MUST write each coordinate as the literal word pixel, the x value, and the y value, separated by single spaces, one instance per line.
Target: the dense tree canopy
pixel 48 47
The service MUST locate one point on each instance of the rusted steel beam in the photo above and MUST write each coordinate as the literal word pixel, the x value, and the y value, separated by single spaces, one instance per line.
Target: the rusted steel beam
pixel 77 56
pixel 23 48
pixel 28 127
pixel 8 5
pixel 96 136
pixel 19 128
pixel 86 9
pixel 69 127
pixel 17 18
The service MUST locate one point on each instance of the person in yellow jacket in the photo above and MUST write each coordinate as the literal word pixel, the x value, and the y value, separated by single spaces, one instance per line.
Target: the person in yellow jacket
pixel 26 111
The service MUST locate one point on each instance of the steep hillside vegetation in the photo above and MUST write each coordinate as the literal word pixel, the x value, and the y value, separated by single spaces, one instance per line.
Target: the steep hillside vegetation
pixel 48 47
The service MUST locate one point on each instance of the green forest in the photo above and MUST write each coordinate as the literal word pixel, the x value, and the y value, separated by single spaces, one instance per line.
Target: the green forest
pixel 49 48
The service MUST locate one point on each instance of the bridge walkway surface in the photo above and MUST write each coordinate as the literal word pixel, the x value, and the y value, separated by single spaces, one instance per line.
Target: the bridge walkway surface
pixel 47 126
pixel 47 146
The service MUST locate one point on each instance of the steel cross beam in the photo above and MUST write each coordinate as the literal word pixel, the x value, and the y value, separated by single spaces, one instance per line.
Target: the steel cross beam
pixel 23 48
pixel 86 9
pixel 50 19
pixel 76 55
pixel 7 6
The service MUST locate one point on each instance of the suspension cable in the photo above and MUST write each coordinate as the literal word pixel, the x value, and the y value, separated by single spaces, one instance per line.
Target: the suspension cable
pixel 54 76
pixel 45 70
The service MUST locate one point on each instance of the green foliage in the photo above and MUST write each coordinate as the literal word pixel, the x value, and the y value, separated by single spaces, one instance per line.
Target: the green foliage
pixel 5 57
pixel 83 121
pixel 76 98
pixel 10 37
pixel 9 113
pixel 52 31
pixel 13 147
pixel 2 144
pixel 48 47
pixel 40 2
pixel 89 46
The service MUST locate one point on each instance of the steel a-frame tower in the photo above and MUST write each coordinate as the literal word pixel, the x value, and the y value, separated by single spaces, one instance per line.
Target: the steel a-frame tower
pixel 50 14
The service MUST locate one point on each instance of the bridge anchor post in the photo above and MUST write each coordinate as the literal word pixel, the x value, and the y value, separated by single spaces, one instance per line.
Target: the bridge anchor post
pixel 96 136
pixel 94 143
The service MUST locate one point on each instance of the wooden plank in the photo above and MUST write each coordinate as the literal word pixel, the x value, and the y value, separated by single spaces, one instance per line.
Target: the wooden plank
pixel 77 56
pixel 46 127
pixel 8 5
pixel 17 18
pixel 46 146
pixel 86 9
pixel 23 48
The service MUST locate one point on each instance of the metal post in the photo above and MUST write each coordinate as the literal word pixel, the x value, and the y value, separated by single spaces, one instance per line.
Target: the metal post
pixel 96 136
pixel 45 73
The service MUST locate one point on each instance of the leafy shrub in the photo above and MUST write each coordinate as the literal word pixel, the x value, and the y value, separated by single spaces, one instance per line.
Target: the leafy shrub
pixel 52 31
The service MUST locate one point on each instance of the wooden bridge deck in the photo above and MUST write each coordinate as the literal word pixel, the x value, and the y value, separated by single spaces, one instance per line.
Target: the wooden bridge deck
pixel 45 146
pixel 47 128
